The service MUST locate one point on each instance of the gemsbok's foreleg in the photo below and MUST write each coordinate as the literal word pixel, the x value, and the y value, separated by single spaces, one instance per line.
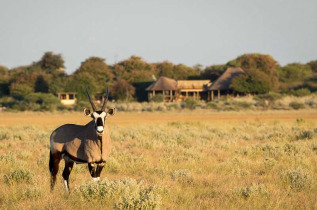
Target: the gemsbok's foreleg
pixel 68 168
pixel 99 169
pixel 95 170
pixel 54 165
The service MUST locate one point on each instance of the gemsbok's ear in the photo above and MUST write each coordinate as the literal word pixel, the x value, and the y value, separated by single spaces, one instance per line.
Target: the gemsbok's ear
pixel 87 112
pixel 111 111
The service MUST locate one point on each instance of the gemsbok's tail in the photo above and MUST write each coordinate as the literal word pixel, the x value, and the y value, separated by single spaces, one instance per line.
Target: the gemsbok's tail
pixel 51 164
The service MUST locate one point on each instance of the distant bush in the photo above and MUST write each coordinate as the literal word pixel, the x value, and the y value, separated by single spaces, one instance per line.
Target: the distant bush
pixel 271 96
pixel 20 91
pixel 212 105
pixel 157 98
pixel 18 176
pixel 45 101
pixel 300 92
pixel 243 104
pixel 296 105
pixel 189 103
pixel 267 100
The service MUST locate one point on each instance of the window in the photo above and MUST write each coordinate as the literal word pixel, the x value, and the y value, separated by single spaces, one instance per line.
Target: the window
pixel 71 96
pixel 63 96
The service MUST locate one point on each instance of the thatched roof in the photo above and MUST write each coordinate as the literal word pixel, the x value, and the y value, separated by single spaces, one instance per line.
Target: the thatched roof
pixel 163 83
pixel 193 84
pixel 224 81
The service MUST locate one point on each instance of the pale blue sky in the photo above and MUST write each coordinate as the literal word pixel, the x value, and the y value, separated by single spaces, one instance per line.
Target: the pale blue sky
pixel 188 31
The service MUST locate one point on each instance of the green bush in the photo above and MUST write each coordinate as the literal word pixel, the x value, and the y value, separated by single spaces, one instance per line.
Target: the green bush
pixel 296 105
pixel 300 92
pixel 182 175
pixel 189 103
pixel 126 193
pixel 243 104
pixel 32 193
pixel 20 91
pixel 252 190
pixel 157 98
pixel 18 176
pixel 298 179
pixel 271 96
pixel 212 105
pixel 306 135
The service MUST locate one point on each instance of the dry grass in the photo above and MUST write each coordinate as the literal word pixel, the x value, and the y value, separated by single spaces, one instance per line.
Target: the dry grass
pixel 183 160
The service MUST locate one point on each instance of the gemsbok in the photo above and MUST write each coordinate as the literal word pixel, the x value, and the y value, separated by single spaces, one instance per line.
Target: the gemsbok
pixel 79 144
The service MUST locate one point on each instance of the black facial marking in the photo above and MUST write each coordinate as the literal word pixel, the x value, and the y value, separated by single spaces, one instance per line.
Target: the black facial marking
pixel 99 122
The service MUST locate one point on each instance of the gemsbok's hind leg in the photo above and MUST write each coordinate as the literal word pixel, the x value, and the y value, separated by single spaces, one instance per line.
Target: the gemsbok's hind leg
pixel 53 165
pixel 68 168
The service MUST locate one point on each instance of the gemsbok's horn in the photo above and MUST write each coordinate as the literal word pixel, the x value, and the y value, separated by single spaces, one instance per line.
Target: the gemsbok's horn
pixel 105 101
pixel 91 102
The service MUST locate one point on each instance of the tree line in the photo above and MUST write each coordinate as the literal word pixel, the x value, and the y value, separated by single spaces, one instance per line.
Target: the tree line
pixel 38 82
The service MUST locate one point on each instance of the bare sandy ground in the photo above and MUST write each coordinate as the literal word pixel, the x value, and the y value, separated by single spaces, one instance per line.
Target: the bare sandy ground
pixel 130 118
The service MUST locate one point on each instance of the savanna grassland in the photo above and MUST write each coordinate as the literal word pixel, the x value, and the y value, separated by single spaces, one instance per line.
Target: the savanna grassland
pixel 169 160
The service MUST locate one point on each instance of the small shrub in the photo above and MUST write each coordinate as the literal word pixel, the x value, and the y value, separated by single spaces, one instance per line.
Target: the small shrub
pixel 296 105
pixel 157 98
pixel 298 179
pixel 18 176
pixel 300 120
pixel 305 135
pixel 126 193
pixel 243 104
pixel 190 103
pixel 173 106
pixel 8 158
pixel 271 96
pixel 300 92
pixel 212 105
pixel 252 190
pixel 269 163
pixel 182 175
pixel 32 193
pixel 112 165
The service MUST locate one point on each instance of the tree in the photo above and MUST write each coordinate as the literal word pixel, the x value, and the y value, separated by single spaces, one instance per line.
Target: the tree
pixel 20 91
pixel 3 71
pixel 78 82
pixel 51 62
pixel 165 69
pixel 294 72
pixel 176 72
pixel 122 90
pixel 41 84
pixel 134 70
pixel 213 72
pixel 98 70
pixel 185 72
pixel 258 62
pixel 4 80
pixel 253 81
pixel 313 65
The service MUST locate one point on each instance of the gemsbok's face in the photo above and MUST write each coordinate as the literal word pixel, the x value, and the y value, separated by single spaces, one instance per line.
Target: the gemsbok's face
pixel 99 118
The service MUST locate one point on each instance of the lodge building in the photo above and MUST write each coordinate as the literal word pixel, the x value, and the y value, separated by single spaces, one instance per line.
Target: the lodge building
pixel 175 91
